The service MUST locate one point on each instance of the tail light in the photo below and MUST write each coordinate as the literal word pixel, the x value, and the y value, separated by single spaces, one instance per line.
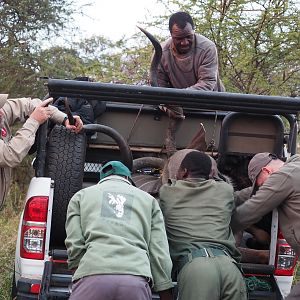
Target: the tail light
pixel 35 288
pixel 34 228
pixel 286 257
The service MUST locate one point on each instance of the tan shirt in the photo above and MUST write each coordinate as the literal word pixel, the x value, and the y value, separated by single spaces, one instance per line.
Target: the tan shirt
pixel 13 149
pixel 281 190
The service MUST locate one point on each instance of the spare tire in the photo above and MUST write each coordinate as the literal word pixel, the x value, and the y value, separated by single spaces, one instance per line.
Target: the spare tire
pixel 146 182
pixel 148 161
pixel 65 165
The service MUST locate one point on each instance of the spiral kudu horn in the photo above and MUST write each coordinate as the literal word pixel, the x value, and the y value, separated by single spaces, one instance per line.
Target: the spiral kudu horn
pixel 156 58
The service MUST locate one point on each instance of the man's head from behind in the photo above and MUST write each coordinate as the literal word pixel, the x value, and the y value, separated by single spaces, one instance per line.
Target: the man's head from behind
pixel 261 166
pixel 114 167
pixel 195 165
pixel 181 28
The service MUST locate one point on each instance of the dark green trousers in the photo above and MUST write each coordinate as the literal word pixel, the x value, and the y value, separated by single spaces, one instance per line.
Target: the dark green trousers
pixel 211 278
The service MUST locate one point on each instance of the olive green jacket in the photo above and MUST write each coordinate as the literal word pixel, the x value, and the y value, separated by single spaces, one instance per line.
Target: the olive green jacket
pixel 115 228
pixel 197 214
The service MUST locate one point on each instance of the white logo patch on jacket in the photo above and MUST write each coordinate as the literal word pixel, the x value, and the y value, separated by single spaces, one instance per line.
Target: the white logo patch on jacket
pixel 117 203
pixel 116 206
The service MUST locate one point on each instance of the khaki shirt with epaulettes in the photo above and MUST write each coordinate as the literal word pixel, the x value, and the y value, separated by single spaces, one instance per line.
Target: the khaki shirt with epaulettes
pixel 13 149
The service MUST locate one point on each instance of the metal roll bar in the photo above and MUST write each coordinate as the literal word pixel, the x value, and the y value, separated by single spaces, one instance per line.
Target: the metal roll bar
pixel 187 98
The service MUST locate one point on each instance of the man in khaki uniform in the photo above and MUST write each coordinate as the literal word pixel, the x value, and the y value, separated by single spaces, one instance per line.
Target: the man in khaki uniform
pixel 279 187
pixel 13 149
pixel 197 213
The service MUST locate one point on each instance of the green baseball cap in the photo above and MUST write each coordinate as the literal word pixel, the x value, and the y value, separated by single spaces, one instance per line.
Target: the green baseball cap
pixel 114 167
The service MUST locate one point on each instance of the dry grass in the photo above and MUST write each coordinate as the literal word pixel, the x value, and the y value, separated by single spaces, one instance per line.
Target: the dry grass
pixel 297 273
pixel 9 220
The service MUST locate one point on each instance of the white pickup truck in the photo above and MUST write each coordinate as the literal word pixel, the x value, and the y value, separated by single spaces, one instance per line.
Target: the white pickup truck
pixel 132 129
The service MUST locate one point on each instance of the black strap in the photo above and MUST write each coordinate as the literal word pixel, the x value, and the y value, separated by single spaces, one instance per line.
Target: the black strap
pixel 202 252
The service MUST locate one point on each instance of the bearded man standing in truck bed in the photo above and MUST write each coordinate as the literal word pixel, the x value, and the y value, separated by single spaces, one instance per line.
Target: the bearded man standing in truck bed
pixel 197 213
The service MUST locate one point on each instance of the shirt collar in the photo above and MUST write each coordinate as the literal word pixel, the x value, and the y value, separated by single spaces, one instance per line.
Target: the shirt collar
pixel 114 177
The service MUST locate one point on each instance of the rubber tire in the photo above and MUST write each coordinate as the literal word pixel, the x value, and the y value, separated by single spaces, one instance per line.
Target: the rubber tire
pixel 147 161
pixel 147 183
pixel 64 164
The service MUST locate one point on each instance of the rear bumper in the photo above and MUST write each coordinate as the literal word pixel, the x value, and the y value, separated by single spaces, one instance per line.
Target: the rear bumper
pixel 56 285
pixel 24 289
pixel 265 285
pixel 285 284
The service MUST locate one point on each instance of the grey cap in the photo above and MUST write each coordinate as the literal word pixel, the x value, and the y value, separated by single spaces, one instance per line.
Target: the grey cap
pixel 256 164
